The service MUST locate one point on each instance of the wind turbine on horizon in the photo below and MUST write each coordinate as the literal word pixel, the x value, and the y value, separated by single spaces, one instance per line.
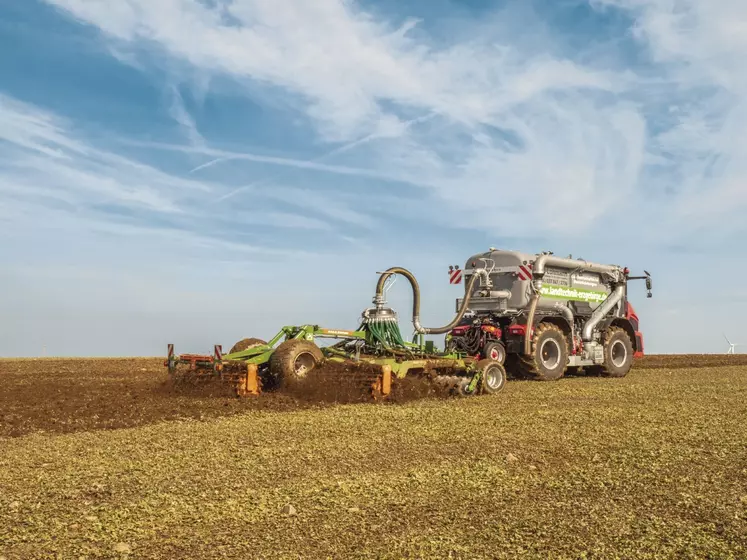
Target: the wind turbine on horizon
pixel 732 345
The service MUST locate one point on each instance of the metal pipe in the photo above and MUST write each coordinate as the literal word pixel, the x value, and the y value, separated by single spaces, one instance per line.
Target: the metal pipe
pixel 538 272
pixel 499 294
pixel 565 311
pixel 568 314
pixel 599 313
pixel 538 268
pixel 379 297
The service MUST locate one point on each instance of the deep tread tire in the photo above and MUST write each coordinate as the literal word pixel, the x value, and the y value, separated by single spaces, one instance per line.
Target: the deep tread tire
pixel 618 353
pixel 292 355
pixel 493 376
pixel 245 344
pixel 495 351
pixel 549 342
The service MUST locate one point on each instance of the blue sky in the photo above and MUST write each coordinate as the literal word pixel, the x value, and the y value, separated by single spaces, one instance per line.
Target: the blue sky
pixel 196 171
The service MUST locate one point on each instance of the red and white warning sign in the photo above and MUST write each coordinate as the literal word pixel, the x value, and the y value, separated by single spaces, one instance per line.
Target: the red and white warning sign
pixel 455 275
pixel 525 272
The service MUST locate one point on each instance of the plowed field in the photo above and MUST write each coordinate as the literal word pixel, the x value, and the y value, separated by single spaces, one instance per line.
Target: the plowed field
pixel 74 394
pixel 674 361
pixel 100 459
pixel 69 395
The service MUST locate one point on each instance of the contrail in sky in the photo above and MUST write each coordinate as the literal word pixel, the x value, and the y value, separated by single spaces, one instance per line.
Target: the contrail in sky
pixel 336 151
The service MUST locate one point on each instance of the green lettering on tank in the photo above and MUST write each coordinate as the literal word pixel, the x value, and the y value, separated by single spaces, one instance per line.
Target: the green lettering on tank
pixel 574 294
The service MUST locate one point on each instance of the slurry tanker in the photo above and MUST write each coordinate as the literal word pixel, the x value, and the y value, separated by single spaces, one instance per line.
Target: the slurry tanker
pixel 543 315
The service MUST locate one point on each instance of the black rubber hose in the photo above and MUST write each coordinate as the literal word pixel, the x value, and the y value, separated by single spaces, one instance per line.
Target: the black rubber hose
pixel 416 300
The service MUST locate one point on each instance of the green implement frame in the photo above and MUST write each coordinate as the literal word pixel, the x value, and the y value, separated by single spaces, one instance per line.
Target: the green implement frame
pixel 247 367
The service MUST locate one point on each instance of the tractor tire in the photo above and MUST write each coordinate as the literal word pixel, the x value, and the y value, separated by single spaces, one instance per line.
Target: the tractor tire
pixel 293 360
pixel 618 353
pixel 245 344
pixel 495 351
pixel 513 367
pixel 549 354
pixel 493 376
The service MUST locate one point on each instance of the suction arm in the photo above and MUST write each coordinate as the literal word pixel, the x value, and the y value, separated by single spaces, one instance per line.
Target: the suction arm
pixel 380 301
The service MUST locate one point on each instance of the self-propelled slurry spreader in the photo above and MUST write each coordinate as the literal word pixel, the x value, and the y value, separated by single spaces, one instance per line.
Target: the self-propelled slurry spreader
pixel 542 315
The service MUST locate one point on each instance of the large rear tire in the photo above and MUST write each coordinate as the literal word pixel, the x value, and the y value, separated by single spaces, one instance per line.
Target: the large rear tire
pixel 549 353
pixel 245 344
pixel 618 353
pixel 294 360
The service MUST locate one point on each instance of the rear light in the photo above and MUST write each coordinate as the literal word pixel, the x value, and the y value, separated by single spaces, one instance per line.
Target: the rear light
pixel 517 330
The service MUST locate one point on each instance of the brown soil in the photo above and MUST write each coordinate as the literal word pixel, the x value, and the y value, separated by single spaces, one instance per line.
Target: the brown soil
pixel 80 394
pixel 70 395
pixel 649 466
pixel 680 361
pixel 353 383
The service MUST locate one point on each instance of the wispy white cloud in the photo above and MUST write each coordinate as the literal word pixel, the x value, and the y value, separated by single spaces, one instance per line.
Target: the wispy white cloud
pixel 53 178
pixel 315 205
pixel 41 156
pixel 180 114
pixel 390 128
pixel 35 129
pixel 698 49
pixel 219 155
pixel 496 128
pixel 524 134
pixel 374 73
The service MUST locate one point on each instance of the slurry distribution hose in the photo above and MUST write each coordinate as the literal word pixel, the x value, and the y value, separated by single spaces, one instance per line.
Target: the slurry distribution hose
pixel 379 298
pixel 385 332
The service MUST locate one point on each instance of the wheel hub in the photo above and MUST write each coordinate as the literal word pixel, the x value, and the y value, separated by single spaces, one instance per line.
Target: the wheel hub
pixel 493 379
pixel 618 353
pixel 550 354
pixel 304 363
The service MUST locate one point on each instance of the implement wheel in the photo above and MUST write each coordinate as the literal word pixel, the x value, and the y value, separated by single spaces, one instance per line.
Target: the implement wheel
pixel 495 351
pixel 293 360
pixel 245 344
pixel 493 376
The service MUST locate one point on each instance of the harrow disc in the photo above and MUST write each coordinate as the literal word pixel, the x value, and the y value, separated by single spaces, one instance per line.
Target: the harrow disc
pixel 344 381
pixel 195 381
pixel 207 372
pixel 241 377
pixel 451 384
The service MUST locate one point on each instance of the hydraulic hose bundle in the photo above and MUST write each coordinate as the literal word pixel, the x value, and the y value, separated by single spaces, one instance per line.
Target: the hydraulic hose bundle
pixel 471 342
